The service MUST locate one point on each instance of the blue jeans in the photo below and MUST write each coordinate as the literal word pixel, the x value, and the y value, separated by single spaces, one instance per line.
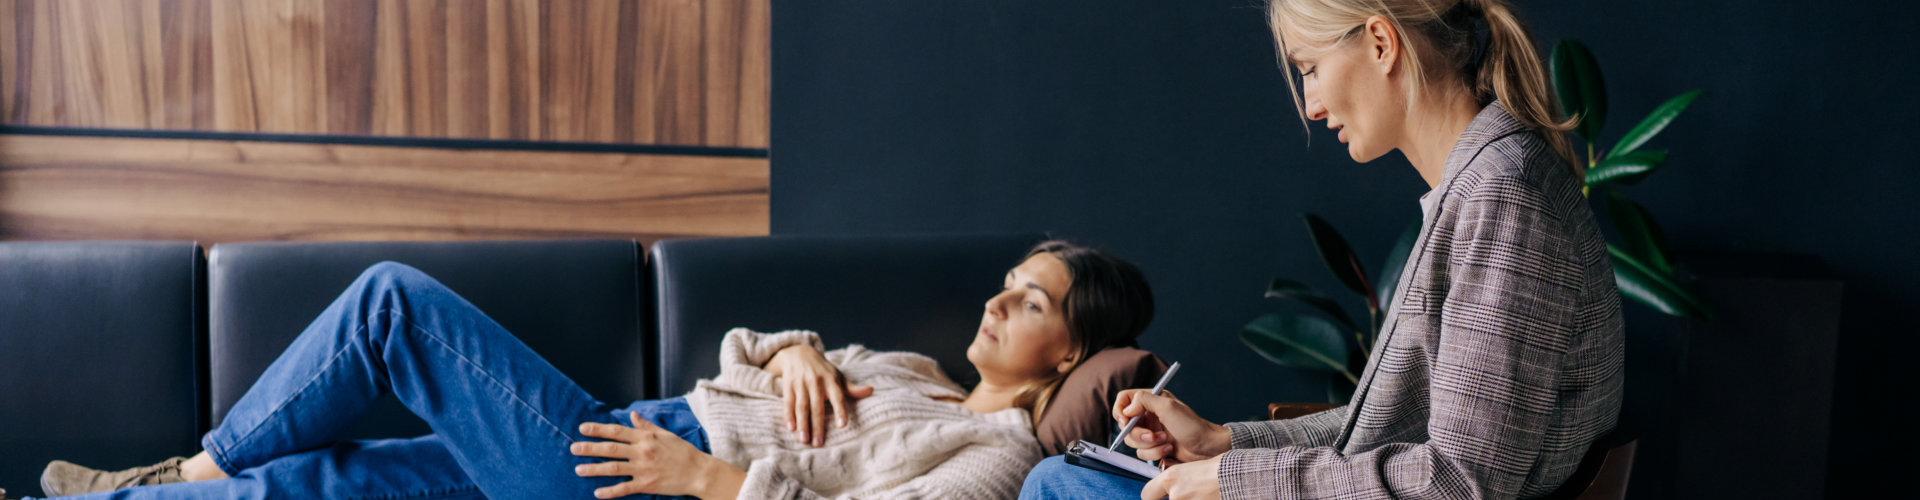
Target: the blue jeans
pixel 503 418
pixel 1055 478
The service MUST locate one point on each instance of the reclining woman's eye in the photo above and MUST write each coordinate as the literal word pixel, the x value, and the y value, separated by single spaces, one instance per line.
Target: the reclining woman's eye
pixel 1033 306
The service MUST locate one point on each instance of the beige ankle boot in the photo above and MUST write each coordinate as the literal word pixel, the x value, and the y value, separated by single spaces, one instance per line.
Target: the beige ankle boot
pixel 63 478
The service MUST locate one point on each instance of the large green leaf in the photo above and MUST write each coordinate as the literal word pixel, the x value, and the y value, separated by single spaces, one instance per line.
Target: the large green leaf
pixel 1339 389
pixel 1583 93
pixel 1626 168
pixel 1337 255
pixel 1640 237
pixel 1298 341
pixel 1654 123
pixel 1396 259
pixel 1293 290
pixel 1640 283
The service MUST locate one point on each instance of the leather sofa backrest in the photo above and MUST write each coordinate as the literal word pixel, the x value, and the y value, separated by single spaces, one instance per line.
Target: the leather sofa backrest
pixel 921 293
pixel 98 344
pixel 579 303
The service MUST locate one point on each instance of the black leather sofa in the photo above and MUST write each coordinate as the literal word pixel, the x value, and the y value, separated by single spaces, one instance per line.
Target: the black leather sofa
pixel 891 293
pixel 577 303
pixel 102 354
pixel 116 354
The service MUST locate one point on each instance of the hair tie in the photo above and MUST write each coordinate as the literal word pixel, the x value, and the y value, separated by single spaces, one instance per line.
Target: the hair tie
pixel 1476 8
pixel 1480 35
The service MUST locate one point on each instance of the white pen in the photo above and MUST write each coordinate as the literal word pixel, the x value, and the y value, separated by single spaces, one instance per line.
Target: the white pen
pixel 1162 384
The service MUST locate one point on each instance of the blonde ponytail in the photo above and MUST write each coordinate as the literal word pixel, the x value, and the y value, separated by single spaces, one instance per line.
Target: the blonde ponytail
pixel 1512 72
pixel 1481 43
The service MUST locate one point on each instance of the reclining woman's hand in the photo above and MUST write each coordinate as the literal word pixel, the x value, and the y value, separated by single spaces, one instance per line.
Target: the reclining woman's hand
pixel 1169 430
pixel 812 386
pixel 655 461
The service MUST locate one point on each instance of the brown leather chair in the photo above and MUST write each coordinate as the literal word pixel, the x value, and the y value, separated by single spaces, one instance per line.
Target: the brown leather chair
pixel 1602 474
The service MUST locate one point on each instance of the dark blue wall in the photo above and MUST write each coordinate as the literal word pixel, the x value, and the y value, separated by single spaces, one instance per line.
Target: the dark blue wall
pixel 1163 132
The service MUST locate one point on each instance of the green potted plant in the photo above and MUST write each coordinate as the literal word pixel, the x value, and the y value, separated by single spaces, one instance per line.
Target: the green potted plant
pixel 1319 339
pixel 1641 266
pixel 1325 339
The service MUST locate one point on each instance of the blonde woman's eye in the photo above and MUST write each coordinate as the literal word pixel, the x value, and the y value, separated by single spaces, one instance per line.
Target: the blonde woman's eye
pixel 1306 73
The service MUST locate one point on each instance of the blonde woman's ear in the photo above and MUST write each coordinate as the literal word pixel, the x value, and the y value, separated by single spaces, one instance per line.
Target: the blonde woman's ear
pixel 1065 366
pixel 1383 43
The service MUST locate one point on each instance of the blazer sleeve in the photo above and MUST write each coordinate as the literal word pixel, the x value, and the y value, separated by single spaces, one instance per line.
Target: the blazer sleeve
pixel 1317 429
pixel 1506 325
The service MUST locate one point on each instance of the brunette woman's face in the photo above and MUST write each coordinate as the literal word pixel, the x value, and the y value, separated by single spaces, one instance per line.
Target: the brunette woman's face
pixel 1349 84
pixel 1023 332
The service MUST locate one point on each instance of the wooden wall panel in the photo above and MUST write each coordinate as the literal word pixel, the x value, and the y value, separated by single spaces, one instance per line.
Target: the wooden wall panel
pixel 62 188
pixel 669 72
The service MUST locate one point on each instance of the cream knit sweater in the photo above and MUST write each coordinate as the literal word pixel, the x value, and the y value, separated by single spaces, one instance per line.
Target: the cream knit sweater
pixel 900 443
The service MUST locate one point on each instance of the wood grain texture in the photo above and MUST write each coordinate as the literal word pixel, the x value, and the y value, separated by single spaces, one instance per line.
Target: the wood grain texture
pixel 67 188
pixel 668 72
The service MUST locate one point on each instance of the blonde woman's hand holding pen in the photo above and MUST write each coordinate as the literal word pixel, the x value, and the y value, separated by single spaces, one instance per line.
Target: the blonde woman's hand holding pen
pixel 1169 431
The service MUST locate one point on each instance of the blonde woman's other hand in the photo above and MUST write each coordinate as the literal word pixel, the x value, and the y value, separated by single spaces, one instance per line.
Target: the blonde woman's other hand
pixel 1189 481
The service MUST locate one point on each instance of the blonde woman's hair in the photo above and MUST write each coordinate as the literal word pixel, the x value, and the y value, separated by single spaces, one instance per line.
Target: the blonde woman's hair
pixel 1481 43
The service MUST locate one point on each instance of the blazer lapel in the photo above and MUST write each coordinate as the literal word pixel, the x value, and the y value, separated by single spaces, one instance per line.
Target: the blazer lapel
pixel 1492 123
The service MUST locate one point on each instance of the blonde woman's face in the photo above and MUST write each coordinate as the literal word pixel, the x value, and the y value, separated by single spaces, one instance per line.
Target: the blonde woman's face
pixel 1347 84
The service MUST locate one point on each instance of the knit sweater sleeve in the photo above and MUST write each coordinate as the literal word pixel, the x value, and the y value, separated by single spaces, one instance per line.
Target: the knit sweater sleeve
pixel 744 353
pixel 985 471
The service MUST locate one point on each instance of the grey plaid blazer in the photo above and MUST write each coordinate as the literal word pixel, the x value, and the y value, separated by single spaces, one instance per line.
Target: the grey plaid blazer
pixel 1502 354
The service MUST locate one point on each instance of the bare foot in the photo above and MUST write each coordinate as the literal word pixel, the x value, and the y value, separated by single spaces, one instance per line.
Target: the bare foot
pixel 201 468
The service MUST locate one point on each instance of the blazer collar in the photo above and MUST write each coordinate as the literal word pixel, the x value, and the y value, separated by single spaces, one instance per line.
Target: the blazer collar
pixel 1493 122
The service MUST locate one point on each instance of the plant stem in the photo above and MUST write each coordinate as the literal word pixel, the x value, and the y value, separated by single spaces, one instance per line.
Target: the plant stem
pixel 1337 365
pixel 1373 323
pixel 1591 162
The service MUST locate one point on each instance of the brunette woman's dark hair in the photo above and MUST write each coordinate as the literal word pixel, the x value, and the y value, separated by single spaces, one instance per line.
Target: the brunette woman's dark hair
pixel 1107 304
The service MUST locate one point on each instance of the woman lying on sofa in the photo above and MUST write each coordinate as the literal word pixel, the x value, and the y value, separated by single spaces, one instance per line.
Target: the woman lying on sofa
pixel 510 426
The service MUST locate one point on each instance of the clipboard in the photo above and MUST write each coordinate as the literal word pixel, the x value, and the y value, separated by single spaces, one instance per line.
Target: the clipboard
pixel 1096 457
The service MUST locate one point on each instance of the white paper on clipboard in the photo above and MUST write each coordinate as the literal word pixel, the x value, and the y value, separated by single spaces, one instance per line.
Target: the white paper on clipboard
pixel 1116 459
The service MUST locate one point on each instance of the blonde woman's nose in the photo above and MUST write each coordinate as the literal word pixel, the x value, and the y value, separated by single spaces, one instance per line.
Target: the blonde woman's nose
pixel 1315 111
pixel 1310 96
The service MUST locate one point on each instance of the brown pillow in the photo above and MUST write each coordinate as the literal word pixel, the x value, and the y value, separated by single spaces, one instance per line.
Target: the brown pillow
pixel 1083 409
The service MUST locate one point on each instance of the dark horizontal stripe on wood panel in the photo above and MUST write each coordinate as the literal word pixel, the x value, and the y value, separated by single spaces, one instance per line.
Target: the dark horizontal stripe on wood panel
pixel 17 227
pixel 404 142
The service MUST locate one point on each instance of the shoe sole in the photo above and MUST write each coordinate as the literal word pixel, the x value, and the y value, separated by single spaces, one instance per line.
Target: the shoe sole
pixel 45 489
